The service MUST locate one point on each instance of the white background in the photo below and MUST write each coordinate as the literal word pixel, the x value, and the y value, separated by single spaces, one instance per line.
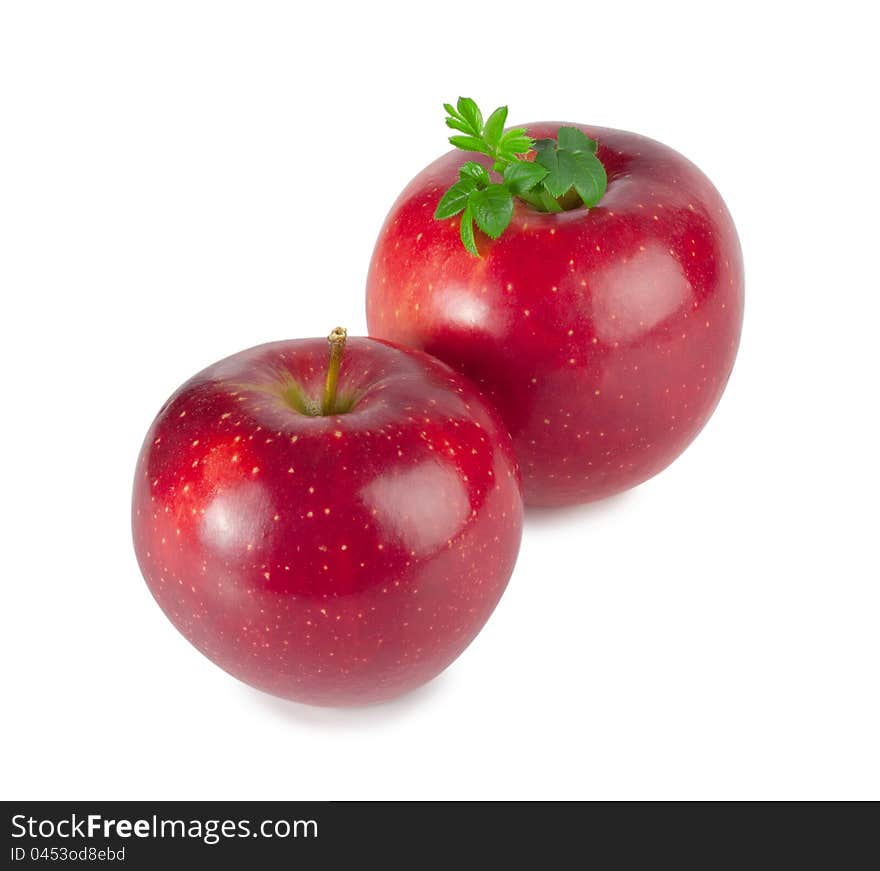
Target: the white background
pixel 179 181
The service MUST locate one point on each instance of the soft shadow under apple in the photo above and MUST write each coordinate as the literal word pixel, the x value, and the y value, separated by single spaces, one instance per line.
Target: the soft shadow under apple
pixel 540 517
pixel 354 718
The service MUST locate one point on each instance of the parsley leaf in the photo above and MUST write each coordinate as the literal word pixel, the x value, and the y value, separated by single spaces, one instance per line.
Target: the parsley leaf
pixel 466 231
pixel 571 162
pixel 521 176
pixel 492 208
pixel 590 179
pixel 572 139
pixel 560 170
pixel 470 143
pixel 467 109
pixel 475 171
pixel 495 126
pixel 455 199
pixel 459 122
pixel 514 142
pixel 564 169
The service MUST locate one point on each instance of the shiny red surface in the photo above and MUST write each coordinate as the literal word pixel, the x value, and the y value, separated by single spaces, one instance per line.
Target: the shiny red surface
pixel 331 560
pixel 605 337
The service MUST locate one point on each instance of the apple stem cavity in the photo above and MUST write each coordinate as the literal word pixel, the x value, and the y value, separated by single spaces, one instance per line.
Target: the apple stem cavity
pixel 564 174
pixel 337 348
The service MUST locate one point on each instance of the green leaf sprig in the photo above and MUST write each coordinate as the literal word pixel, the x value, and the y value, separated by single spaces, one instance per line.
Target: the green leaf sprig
pixel 565 172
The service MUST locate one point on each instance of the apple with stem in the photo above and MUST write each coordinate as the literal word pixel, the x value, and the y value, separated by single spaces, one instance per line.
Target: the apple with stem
pixel 333 529
pixel 589 280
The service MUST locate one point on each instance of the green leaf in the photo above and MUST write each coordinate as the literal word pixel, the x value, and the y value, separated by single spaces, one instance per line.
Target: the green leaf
pixel 470 143
pixel 459 122
pixel 557 180
pixel 590 179
pixel 466 231
pixel 514 142
pixel 564 166
pixel 492 209
pixel 560 170
pixel 571 160
pixel 521 176
pixel 468 110
pixel 548 201
pixel 533 198
pixel 541 199
pixel 572 139
pixel 546 157
pixel 495 126
pixel 514 150
pixel 455 124
pixel 475 171
pixel 455 199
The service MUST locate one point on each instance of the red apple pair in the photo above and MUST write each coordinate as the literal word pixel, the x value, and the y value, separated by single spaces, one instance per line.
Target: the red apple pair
pixel 335 529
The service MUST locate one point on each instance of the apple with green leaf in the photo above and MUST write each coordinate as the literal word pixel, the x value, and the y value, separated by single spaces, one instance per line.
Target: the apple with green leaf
pixel 589 280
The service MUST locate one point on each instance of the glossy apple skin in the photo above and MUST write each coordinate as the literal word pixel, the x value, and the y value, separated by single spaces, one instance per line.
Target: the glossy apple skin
pixel 330 560
pixel 605 337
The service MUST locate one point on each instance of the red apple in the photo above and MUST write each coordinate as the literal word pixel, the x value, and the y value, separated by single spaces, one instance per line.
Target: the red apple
pixel 332 551
pixel 604 336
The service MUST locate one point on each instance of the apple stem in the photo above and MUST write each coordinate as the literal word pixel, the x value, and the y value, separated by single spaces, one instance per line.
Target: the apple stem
pixel 337 347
